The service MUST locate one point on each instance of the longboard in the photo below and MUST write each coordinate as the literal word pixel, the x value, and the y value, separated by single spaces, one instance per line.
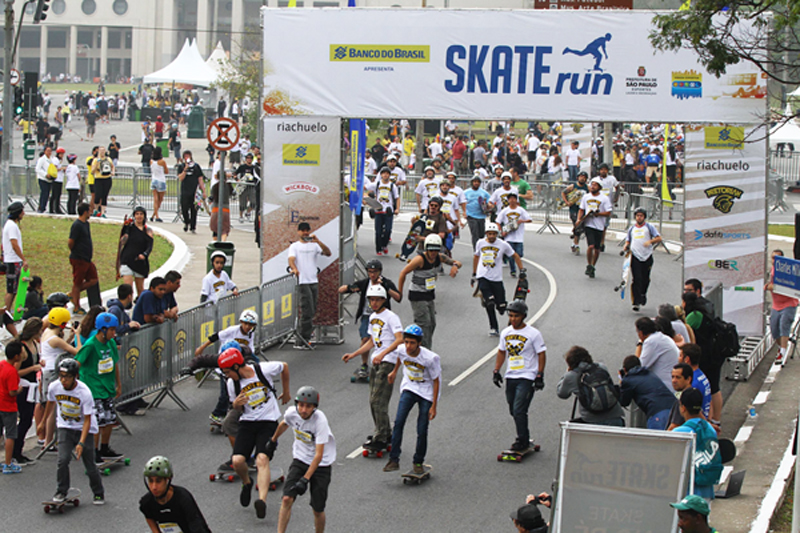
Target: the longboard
pixel 72 498
pixel 22 292
pixel 216 427
pixel 373 203
pixel 581 224
pixel 105 466
pixel 522 290
pixel 410 242
pixel 276 475
pixel 515 456
pixel 359 376
pixel 626 275
pixel 411 478
pixel 372 452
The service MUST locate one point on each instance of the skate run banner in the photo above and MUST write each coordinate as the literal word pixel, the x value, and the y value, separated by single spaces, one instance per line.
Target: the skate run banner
pixel 493 64
pixel 725 233
pixel 302 183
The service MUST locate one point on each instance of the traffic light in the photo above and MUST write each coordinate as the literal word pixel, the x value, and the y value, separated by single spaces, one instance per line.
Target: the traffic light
pixel 41 11
pixel 18 101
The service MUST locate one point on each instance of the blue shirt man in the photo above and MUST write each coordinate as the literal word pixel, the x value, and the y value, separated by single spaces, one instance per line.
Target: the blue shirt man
pixel 477 198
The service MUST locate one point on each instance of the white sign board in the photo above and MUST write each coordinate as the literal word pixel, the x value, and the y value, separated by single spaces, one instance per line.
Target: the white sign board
pixel 498 64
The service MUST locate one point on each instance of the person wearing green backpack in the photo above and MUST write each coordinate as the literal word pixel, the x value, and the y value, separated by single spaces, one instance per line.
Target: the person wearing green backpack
pixel 707 460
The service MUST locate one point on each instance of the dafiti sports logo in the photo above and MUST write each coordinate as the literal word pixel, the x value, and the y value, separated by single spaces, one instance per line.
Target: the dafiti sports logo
pixel 687 84
pixel 381 53
pixel 717 234
pixel 301 154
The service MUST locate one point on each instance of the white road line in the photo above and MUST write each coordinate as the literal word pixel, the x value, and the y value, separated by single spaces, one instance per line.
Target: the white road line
pixel 761 397
pixel 356 453
pixel 726 471
pixel 743 434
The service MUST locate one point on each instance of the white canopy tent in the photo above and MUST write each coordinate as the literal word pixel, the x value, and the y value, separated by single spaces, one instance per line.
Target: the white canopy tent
pixel 189 67
pixel 788 132
pixel 796 92
pixel 218 59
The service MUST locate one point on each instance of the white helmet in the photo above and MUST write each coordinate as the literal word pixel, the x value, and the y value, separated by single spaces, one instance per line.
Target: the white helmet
pixel 219 253
pixel 491 226
pixel 376 291
pixel 249 316
pixel 506 174
pixel 430 168
pixel 433 242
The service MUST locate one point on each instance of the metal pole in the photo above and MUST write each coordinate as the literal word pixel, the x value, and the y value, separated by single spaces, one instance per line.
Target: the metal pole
pixel 221 193
pixel 8 107
pixel 608 145
pixel 795 513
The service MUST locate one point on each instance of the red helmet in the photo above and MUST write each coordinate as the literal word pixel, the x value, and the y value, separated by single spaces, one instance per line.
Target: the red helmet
pixel 230 357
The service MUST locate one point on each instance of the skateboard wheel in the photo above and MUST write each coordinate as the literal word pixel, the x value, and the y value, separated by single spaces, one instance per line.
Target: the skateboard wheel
pixel 281 479
pixel 537 448
pixel 230 478
pixel 500 458
pixel 212 477
pixel 76 502
pixel 352 379
pixel 212 429
pixel 127 461
pixel 61 510
pixel 405 481
pixel 388 447
pixel 379 455
pixel 46 509
pixel 107 472
pixel 273 486
pixel 365 453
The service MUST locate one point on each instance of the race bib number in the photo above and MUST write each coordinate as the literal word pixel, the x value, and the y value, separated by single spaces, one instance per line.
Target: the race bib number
pixel 447 207
pixel 70 410
pixel 303 436
pixel 414 373
pixel 638 233
pixel 256 397
pixel 376 334
pixel 383 195
pixel 487 258
pixel 105 366
pixel 430 284
pixel 169 527
pixel 516 362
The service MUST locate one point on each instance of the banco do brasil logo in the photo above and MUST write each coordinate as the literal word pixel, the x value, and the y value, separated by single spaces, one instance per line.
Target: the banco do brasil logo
pixel 723 196
pixel 301 154
pixel 383 53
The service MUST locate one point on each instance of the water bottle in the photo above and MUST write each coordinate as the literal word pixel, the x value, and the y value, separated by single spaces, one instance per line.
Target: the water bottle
pixel 751 411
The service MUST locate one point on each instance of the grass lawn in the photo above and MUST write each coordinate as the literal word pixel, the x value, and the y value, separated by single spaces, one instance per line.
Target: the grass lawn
pixel 785 230
pixel 782 521
pixel 44 242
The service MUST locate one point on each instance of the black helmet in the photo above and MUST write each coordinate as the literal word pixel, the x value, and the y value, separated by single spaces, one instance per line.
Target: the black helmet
pixel 374 264
pixel 583 173
pixel 14 209
pixel 307 394
pixel 518 306
pixel 603 165
pixel 640 210
pixel 436 199
pixel 385 169
pixel 140 209
pixel 69 366
pixel 57 299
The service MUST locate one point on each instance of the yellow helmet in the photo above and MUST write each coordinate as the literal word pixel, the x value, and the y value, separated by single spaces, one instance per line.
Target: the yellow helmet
pixel 59 316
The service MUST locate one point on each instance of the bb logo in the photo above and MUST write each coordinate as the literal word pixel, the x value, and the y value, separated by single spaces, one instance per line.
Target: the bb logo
pixel 723 196
pixel 339 52
pixel 132 358
pixel 301 154
pixel 724 138
pixel 722 264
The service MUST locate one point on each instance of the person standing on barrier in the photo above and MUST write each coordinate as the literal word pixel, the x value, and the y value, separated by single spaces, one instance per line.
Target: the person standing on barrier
pixel 641 240
pixel 594 207
pixel 99 360
pixel 191 177
pixel 303 257
pixel 784 309
pixel 84 272
pixel 251 391
pixel 476 208
pixel 217 283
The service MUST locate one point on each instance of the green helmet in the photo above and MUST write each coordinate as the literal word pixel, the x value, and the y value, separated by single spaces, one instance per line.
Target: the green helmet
pixel 158 466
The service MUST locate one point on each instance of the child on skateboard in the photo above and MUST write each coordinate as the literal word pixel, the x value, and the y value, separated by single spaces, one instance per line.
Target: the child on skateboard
pixel 167 506
pixel 421 380
pixel 313 452
pixel 386 336
pixel 77 424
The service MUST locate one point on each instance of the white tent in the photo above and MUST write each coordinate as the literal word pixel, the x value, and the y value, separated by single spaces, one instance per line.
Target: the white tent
pixel 189 67
pixel 788 132
pixel 218 59
pixel 796 92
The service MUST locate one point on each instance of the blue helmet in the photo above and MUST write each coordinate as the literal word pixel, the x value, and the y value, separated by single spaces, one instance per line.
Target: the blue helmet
pixel 230 344
pixel 413 331
pixel 105 320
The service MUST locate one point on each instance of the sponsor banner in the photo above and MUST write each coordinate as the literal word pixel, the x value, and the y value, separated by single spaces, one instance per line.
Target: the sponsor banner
pixel 497 64
pixel 301 159
pixel 358 147
pixel 787 276
pixel 583 4
pixel 725 239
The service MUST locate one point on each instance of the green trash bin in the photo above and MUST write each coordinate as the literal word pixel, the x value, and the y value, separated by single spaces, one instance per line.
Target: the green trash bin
pixel 164 144
pixel 228 248
pixel 137 115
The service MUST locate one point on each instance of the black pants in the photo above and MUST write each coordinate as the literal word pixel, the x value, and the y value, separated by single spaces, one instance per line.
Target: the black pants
pixel 494 296
pixel 72 201
pixel 189 211
pixel 25 421
pixel 55 198
pixel 640 271
pixel 44 195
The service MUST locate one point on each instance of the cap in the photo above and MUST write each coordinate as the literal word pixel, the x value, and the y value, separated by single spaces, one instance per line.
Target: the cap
pixel 692 502
pixel 597 181
pixel 391 157
pixel 529 516
pixel 692 399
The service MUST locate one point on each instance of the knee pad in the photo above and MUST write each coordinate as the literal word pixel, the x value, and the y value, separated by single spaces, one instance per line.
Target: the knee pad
pixel 501 308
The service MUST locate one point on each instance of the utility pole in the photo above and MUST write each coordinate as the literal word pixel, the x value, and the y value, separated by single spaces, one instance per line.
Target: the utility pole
pixel 8 107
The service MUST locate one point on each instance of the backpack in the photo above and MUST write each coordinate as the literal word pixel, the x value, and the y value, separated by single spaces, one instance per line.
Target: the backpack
pixel 596 390
pixel 707 459
pixel 725 338
pixel 237 387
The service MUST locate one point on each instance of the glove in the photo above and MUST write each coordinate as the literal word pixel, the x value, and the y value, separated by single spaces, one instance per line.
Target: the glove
pixel 497 379
pixel 538 383
pixel 301 486
pixel 472 281
pixel 523 273
pixel 271 447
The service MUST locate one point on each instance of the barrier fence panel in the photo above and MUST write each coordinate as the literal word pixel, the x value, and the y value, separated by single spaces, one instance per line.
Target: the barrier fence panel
pixel 145 365
pixel 187 334
pixel 278 309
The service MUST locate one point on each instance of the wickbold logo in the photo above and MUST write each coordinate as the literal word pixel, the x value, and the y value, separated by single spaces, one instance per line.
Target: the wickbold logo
pixel 724 137
pixel 300 186
pixel 719 235
pixel 687 84
pixel 301 154
pixel 723 196
pixel 395 53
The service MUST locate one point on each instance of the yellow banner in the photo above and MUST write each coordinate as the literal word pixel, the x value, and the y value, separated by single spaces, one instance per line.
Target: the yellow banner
pixel 391 53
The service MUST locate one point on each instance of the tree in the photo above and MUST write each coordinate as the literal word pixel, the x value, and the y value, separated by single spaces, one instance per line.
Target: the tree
pixel 713 29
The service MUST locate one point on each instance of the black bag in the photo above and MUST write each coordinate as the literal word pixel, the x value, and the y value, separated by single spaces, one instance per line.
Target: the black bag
pixel 726 339
pixel 596 390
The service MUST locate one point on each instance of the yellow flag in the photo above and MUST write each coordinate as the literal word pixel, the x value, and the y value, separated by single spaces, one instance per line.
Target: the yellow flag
pixel 293 3
pixel 685 6
pixel 666 197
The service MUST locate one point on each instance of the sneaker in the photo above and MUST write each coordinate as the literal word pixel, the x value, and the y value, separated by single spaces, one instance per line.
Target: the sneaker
pixel 602 247
pixel 519 446
pixel 98 499
pixel 244 497
pixel 577 250
pixel 513 273
pixel 591 271
pixel 13 468
pixel 385 251
pixel 635 308
pixel 59 497
pixel 24 461
pixel 391 466
pixel 79 311
pixel 97 458
pixel 379 252
pixel 214 418
pixel 186 371
pixel 159 220
pixel 418 469
pixel 588 270
pixel 40 442
pixel 227 466
pixel 186 227
pixel 241 220
pixel 494 333
pixel 261 508
pixel 52 449
pixel 779 359
pixel 108 453
pixel 301 347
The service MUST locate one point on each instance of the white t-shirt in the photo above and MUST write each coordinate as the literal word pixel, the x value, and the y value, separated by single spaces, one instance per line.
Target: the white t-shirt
pixel 305 255
pixel 490 264
pixel 261 402
pixel 458 191
pixel 599 204
pixel 482 172
pixel 522 348
pixel 435 149
pixel 216 287
pixel 572 156
pixel 637 235
pixel 235 333
pixel 533 143
pixel 11 231
pixel 427 189
pixel 382 328
pixel 214 172
pixel 308 434
pixel 73 405
pixel 73 177
pixel 419 372
pixel 397 174
pixel 610 183
pixel 500 197
pixel 386 193
pixel 659 355
pixel 370 167
pixel 520 215
pixel 450 205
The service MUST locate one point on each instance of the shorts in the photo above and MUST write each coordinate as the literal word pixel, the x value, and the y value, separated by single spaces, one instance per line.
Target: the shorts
pixel 91 188
pixel 160 186
pixel 8 423
pixel 12 277
pixel 593 236
pixel 104 410
pixel 48 377
pixel 125 270
pixel 230 425
pixel 363 327
pixel 780 322
pixel 82 271
pixel 90 130
pixel 713 372
pixel 236 157
pixel 319 483
pixel 253 434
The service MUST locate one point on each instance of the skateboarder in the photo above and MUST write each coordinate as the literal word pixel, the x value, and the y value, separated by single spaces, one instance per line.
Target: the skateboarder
pixel 386 335
pixel 168 507
pixel 313 454
pixel 99 363
pixel 251 390
pixel 513 216
pixel 385 192
pixel 487 270
pixel 422 372
pixel 525 369
pixel 572 197
pixel 217 283
pixel 427 188
pixel 594 207
pixel 303 262
pixel 641 240
pixel 77 423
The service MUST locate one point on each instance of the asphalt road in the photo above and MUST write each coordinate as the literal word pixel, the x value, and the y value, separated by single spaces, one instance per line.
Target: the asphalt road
pixel 469 489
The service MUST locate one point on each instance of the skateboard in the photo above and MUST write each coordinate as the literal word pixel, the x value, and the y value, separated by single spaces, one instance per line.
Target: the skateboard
pixel 360 376
pixel 410 242
pixel 105 466
pixel 484 205
pixel 276 473
pixel 579 226
pixel 200 202
pixel 522 290
pixel 511 226
pixel 368 451
pixel 72 498
pixel 417 479
pixel 216 427
pixel 22 292
pixel 727 450
pixel 516 457
pixel 478 294
pixel 626 275
pixel 373 203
